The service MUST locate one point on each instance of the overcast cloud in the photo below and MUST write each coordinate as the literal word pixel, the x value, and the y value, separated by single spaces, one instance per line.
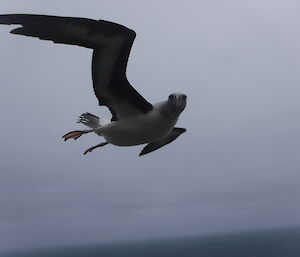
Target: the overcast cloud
pixel 236 168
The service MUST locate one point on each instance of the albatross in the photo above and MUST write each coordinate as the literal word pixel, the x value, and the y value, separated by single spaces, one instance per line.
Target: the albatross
pixel 134 120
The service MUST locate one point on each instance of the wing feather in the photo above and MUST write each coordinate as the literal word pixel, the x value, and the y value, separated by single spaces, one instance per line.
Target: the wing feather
pixel 176 132
pixel 111 42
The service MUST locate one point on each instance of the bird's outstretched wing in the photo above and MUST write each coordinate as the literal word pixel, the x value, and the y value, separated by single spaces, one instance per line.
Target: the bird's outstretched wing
pixel 111 43
pixel 176 132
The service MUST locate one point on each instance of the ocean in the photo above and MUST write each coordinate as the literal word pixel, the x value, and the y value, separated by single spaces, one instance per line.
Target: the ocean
pixel 271 243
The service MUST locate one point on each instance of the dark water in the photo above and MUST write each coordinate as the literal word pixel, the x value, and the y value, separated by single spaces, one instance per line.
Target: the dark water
pixel 275 243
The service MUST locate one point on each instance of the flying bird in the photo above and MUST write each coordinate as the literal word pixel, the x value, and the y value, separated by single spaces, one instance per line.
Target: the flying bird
pixel 134 120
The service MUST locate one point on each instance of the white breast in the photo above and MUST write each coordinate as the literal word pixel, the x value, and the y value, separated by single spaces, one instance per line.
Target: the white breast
pixel 138 129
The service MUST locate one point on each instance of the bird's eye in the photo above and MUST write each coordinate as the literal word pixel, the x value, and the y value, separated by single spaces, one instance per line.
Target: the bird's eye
pixel 171 97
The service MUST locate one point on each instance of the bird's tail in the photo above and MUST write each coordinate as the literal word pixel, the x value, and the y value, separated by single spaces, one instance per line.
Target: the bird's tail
pixel 92 121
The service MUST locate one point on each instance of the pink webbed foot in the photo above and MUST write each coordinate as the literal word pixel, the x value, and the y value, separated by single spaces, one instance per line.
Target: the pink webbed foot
pixel 75 134
pixel 94 147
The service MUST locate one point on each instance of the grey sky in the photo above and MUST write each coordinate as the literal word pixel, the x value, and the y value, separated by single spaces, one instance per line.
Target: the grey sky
pixel 236 168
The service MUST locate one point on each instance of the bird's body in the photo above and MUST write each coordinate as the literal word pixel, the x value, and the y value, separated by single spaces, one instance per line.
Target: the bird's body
pixel 139 129
pixel 134 120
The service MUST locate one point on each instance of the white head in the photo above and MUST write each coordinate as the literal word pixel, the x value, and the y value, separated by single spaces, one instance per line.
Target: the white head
pixel 177 102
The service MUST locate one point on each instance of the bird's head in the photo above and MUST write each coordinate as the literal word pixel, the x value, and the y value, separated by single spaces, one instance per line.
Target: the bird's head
pixel 177 103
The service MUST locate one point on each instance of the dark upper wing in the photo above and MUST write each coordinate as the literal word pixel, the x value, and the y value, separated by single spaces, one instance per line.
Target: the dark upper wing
pixel 176 132
pixel 111 43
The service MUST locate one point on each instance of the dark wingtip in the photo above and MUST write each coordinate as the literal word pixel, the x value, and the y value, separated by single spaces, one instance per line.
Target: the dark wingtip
pixel 17 31
pixel 8 19
pixel 181 130
pixel 4 20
